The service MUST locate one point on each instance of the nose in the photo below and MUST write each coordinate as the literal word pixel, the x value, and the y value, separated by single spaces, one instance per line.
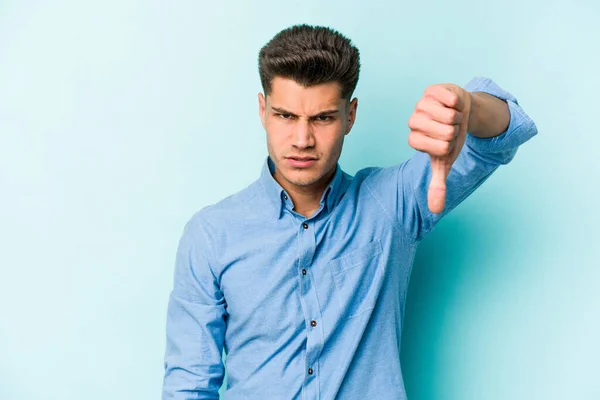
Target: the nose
pixel 303 135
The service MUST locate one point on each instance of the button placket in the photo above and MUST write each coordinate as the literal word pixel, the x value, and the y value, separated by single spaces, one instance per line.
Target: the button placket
pixel 307 243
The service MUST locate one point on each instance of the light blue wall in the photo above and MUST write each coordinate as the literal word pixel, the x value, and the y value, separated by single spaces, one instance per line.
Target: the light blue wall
pixel 120 119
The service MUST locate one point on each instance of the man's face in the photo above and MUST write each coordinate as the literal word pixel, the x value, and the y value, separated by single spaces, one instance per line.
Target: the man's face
pixel 306 122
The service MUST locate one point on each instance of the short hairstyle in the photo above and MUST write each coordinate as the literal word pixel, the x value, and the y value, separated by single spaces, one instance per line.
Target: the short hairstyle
pixel 310 55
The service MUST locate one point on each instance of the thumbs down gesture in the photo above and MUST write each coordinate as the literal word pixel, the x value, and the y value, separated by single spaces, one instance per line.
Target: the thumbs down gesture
pixel 438 127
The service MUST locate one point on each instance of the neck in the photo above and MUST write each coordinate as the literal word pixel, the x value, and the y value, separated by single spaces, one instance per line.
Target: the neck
pixel 306 199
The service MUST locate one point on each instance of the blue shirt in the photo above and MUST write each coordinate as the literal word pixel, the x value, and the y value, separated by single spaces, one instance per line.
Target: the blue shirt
pixel 312 308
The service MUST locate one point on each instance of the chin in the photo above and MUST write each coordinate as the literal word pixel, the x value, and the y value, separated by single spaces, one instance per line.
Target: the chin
pixel 304 178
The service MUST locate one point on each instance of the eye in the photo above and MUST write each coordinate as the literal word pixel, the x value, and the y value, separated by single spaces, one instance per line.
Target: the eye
pixel 285 116
pixel 324 118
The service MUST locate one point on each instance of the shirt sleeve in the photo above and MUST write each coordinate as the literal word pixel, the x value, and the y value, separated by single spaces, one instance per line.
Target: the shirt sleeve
pixel 195 322
pixel 406 197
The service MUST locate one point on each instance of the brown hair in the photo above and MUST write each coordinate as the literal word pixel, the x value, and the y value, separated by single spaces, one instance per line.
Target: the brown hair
pixel 310 55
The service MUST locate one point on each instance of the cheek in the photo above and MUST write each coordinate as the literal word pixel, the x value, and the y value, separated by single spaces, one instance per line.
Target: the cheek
pixel 276 139
pixel 277 129
pixel 335 138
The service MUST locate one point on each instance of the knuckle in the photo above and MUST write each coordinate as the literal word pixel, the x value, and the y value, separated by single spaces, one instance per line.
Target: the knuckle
pixel 413 121
pixel 412 140
pixel 429 90
pixel 449 133
pixel 453 99
pixel 444 148
pixel 453 116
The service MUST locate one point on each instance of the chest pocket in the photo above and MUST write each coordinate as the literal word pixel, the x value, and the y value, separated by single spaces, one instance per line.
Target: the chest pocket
pixel 357 278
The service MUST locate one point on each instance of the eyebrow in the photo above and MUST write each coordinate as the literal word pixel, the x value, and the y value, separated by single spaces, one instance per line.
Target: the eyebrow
pixel 326 112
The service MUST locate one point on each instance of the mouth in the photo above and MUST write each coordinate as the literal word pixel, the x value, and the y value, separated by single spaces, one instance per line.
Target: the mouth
pixel 301 162
pixel 302 158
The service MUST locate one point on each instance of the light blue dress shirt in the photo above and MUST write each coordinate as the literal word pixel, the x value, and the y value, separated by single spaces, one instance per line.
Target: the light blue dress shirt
pixel 312 308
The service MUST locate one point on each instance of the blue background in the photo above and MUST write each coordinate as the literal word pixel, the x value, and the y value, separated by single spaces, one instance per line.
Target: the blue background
pixel 119 119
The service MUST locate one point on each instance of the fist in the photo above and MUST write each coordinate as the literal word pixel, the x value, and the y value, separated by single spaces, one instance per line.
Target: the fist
pixel 438 127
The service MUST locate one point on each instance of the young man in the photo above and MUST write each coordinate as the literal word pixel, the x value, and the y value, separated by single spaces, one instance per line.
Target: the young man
pixel 302 276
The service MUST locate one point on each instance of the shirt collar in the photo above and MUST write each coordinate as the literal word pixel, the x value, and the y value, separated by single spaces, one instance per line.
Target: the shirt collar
pixel 277 195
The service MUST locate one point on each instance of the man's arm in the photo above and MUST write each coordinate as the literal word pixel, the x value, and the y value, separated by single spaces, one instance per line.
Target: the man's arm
pixel 195 322
pixel 405 190
pixel 489 115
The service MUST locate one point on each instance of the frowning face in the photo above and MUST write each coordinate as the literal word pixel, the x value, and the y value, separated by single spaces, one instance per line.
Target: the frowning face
pixel 305 129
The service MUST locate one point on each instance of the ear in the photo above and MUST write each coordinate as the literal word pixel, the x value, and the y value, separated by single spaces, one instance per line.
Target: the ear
pixel 352 107
pixel 261 108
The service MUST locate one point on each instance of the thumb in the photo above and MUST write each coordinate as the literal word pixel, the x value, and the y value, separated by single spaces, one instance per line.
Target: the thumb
pixel 436 195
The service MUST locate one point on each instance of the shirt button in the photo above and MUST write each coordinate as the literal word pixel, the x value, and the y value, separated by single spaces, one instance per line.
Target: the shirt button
pixel 303 271
pixel 285 196
pixel 313 323
pixel 305 225
pixel 310 371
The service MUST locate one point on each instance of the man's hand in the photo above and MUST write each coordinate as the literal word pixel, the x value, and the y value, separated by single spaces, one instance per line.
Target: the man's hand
pixel 439 128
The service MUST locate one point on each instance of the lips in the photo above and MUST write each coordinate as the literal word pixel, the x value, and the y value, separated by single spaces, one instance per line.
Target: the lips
pixel 301 162
pixel 302 158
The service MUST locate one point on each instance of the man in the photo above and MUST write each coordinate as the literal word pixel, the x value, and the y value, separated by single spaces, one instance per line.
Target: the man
pixel 302 276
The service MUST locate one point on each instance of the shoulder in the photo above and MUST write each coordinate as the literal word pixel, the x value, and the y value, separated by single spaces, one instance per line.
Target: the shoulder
pixel 375 176
pixel 227 211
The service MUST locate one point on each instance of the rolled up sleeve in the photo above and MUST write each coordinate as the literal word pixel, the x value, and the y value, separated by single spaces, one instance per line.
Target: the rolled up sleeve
pixel 520 129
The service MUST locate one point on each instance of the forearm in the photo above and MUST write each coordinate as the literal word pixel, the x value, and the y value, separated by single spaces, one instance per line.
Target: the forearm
pixel 489 115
